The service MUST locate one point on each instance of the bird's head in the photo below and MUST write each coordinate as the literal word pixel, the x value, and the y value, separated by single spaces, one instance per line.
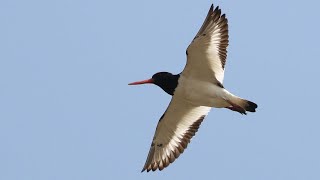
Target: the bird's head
pixel 167 81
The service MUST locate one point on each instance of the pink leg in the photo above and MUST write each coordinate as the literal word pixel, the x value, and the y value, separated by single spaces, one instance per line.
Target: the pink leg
pixel 237 108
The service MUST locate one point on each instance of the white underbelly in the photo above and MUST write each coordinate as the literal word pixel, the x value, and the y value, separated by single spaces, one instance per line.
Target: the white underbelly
pixel 200 92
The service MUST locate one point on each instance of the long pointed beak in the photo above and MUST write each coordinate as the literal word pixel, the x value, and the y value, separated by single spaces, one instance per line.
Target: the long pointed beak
pixel 148 81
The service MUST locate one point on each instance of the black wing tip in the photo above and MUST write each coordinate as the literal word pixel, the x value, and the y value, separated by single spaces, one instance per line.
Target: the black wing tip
pixel 216 10
pixel 211 7
pixel 251 106
pixel 149 169
pixel 144 169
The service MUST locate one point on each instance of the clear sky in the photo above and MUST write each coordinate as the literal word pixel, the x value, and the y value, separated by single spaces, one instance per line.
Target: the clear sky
pixel 66 111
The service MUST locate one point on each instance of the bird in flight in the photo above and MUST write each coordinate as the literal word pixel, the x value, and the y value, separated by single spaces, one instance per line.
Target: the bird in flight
pixel 197 89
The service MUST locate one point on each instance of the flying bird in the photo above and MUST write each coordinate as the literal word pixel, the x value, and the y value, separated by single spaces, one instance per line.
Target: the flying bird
pixel 197 89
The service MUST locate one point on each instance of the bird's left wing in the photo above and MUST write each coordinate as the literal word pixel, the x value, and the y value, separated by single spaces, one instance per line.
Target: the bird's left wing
pixel 174 131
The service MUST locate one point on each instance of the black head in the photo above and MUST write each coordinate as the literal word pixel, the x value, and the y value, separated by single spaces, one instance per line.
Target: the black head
pixel 167 81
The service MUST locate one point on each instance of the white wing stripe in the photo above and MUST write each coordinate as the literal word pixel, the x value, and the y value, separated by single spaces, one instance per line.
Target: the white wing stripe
pixel 173 133
pixel 207 53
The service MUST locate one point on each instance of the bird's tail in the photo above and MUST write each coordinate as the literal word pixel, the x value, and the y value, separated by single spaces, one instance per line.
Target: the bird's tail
pixel 247 105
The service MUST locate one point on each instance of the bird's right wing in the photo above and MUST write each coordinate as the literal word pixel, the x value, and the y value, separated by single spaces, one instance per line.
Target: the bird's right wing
pixel 207 53
pixel 174 131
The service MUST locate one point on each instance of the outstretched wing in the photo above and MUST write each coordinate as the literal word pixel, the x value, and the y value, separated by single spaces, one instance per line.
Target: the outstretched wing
pixel 207 53
pixel 174 131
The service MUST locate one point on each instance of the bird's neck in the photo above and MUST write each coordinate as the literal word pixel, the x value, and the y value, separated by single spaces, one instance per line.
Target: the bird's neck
pixel 170 84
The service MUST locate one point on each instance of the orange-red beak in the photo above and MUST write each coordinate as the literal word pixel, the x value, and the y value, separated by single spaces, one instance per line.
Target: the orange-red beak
pixel 148 81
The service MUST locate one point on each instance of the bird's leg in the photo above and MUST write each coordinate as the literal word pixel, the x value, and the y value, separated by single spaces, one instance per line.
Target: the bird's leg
pixel 235 107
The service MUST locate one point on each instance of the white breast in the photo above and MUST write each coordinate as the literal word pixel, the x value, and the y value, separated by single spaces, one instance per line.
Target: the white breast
pixel 202 93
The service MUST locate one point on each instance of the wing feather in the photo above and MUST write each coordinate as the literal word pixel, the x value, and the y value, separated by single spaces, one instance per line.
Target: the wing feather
pixel 174 131
pixel 207 53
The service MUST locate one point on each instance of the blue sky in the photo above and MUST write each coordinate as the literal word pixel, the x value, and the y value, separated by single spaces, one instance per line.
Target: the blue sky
pixel 66 111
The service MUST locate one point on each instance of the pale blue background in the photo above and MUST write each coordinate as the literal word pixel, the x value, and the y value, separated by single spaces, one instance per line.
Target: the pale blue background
pixel 66 111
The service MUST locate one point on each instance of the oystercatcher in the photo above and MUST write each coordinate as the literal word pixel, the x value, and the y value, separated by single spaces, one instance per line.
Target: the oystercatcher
pixel 197 89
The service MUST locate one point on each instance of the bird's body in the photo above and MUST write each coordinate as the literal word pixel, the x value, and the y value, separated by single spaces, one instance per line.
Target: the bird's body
pixel 197 89
pixel 201 93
